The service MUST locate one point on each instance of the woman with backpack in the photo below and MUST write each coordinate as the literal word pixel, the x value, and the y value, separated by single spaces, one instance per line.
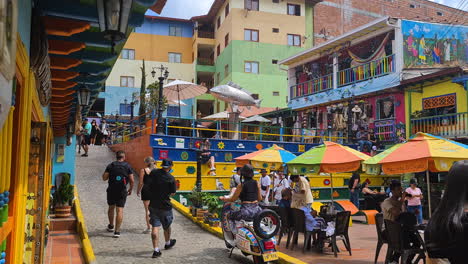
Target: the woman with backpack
pixel 143 189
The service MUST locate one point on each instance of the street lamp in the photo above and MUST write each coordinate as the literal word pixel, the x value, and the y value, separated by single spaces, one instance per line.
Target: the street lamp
pixel 113 19
pixel 163 76
pixel 84 95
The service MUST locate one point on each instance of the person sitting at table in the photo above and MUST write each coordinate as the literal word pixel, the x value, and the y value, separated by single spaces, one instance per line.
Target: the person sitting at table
pixel 378 197
pixel 446 234
pixel 285 201
pixel 302 199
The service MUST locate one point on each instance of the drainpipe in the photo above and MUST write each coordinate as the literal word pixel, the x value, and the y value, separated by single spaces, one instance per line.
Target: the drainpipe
pixel 335 70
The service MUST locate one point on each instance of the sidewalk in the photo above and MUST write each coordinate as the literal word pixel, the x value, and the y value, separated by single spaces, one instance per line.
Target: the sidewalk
pixel 63 247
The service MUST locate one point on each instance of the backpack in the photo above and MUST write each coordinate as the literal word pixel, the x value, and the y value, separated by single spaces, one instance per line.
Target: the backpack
pixel 118 176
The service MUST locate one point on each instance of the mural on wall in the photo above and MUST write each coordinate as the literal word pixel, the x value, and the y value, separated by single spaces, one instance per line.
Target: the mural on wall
pixel 434 45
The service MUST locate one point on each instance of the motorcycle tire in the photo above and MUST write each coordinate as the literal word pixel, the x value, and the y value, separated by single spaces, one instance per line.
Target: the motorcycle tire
pixel 272 218
pixel 258 260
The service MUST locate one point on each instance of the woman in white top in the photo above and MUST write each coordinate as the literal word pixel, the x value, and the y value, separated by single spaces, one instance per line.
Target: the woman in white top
pixel 280 183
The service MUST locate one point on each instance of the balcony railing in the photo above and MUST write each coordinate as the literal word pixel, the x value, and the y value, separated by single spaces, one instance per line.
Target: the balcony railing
pixel 366 71
pixel 313 86
pixel 348 76
pixel 448 126
pixel 206 34
pixel 205 61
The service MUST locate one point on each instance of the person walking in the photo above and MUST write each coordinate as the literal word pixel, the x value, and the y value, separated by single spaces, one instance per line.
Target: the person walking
pixel 86 137
pixel 414 196
pixel 354 189
pixel 265 182
pixel 105 132
pixel 118 174
pixel 162 186
pixel 279 184
pixel 94 132
pixel 143 189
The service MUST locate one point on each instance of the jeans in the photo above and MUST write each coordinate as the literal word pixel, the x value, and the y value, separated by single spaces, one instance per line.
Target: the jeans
pixel 354 197
pixel 416 210
pixel 363 143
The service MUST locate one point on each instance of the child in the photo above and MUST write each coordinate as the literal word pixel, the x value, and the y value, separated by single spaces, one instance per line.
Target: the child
pixel 285 201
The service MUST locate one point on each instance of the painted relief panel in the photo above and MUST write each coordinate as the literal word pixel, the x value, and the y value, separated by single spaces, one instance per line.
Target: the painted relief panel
pixel 428 45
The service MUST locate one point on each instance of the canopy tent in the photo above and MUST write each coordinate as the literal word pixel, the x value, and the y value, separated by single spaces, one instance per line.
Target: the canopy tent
pixel 330 158
pixel 273 158
pixel 220 116
pixel 256 118
pixel 424 152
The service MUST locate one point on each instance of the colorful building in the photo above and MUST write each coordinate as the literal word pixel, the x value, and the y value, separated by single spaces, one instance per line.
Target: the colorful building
pixel 358 80
pixel 50 51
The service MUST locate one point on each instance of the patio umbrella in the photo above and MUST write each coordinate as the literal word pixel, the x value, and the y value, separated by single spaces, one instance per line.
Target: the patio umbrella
pixel 424 152
pixel 256 118
pixel 180 90
pixel 330 158
pixel 220 116
pixel 273 158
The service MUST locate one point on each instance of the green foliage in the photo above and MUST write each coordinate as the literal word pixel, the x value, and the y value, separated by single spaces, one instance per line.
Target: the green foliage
pixel 64 195
pixel 212 201
pixel 197 198
pixel 152 103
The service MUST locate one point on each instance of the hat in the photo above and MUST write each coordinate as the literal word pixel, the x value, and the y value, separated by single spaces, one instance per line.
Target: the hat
pixel 166 163
pixel 374 148
pixel 413 181
pixel 236 169
pixel 262 170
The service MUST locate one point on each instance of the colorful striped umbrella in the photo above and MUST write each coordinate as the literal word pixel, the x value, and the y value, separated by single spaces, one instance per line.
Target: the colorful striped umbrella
pixel 424 152
pixel 330 157
pixel 273 158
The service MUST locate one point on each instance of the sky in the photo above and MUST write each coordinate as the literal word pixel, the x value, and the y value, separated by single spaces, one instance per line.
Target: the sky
pixel 189 8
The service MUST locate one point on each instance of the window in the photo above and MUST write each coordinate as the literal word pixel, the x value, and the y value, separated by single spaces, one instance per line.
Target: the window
pixel 226 70
pixel 125 109
pixel 175 31
pixel 251 67
pixel 218 50
pixel 412 6
pixel 440 13
pixel 173 110
pixel 251 35
pixel 175 57
pixel 251 5
pixel 275 30
pixel 294 10
pixel 276 1
pixel 294 40
pixel 226 10
pixel 128 54
pixel 127 81
pixel 226 40
pixel 170 80
pixel 218 23
pixel 274 61
pixel 275 93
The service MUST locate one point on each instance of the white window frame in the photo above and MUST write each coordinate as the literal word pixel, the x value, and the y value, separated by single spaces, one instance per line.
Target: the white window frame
pixel 249 67
pixel 174 57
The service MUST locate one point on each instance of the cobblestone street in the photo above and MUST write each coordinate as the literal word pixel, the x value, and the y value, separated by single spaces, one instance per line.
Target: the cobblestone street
pixel 193 244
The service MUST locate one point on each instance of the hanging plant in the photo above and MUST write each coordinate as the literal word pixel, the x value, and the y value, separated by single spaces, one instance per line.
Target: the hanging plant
pixel 190 169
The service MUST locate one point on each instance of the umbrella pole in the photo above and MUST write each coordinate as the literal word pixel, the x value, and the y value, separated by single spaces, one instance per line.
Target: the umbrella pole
pixel 331 183
pixel 428 193
pixel 178 98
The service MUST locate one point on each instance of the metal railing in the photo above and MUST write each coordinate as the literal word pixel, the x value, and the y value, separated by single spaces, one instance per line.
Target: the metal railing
pixel 367 71
pixel 448 126
pixel 313 86
pixel 206 34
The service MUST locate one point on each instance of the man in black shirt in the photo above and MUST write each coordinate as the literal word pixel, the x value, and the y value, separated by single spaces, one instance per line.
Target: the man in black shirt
pixel 118 174
pixel 162 187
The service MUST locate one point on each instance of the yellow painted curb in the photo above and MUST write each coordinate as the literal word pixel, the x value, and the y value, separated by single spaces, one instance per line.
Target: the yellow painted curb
pixel 87 250
pixel 283 258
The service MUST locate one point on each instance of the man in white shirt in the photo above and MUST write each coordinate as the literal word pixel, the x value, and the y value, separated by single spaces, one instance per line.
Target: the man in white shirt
pixel 235 179
pixel 280 183
pixel 265 182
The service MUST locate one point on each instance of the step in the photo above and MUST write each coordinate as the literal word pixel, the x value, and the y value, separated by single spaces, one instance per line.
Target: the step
pixel 63 224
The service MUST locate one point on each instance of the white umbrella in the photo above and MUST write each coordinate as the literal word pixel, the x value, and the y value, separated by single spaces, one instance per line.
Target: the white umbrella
pixel 180 90
pixel 177 102
pixel 220 116
pixel 256 118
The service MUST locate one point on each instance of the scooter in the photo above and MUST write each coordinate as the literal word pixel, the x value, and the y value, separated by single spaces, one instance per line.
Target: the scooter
pixel 255 238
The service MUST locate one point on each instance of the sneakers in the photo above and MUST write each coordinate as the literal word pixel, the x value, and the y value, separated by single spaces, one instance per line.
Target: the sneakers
pixel 156 254
pixel 116 234
pixel 171 244
pixel 147 231
pixel 110 228
pixel 84 155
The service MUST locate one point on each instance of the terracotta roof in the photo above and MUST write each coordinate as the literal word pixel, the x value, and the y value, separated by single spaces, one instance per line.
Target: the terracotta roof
pixel 245 112
pixel 158 7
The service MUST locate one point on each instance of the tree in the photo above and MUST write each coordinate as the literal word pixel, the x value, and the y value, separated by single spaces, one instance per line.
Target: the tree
pixel 142 109
pixel 152 102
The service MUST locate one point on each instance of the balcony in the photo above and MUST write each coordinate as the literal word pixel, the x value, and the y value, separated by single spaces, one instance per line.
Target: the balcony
pixel 205 61
pixel 206 34
pixel 447 126
pixel 367 71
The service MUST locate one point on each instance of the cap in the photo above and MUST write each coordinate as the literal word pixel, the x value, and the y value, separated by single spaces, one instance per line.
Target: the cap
pixel 262 170
pixel 236 169
pixel 166 163
pixel 413 181
pixel 374 148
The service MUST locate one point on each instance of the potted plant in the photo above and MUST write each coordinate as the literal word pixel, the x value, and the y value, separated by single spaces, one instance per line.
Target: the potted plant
pixel 196 198
pixel 212 202
pixel 63 197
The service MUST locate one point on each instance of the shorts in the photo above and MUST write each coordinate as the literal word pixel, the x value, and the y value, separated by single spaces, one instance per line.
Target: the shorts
pixel 86 139
pixel 247 212
pixel 160 217
pixel 118 198
pixel 145 194
pixel 205 159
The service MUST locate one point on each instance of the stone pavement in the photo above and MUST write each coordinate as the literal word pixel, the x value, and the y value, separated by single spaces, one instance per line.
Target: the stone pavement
pixel 194 245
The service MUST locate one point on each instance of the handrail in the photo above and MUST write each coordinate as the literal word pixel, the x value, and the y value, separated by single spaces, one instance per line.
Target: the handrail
pixel 438 116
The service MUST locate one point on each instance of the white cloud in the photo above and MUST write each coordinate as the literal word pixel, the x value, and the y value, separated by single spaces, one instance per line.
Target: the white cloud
pixel 186 8
pixel 453 3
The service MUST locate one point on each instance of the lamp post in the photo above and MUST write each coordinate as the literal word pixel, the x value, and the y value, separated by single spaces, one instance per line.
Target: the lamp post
pixel 84 95
pixel 161 78
pixel 113 19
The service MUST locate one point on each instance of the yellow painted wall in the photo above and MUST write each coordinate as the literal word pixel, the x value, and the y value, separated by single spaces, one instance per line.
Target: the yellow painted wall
pixel 443 88
pixel 156 47
pixel 180 71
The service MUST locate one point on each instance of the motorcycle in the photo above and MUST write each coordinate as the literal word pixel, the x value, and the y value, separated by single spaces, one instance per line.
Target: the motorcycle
pixel 255 238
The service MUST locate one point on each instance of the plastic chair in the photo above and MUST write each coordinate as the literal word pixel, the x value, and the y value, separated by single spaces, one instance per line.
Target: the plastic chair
pixel 396 246
pixel 341 232
pixel 379 226
pixel 300 227
pixel 287 224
